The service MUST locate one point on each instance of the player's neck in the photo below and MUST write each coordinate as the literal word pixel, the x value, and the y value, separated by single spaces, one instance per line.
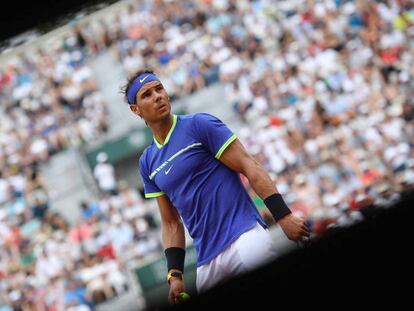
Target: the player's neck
pixel 160 129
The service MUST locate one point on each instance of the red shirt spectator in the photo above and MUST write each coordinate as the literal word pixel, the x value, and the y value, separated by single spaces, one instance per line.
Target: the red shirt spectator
pixel 80 233
pixel 106 251
pixel 14 238
pixel 299 209
pixel 390 56
pixel 276 121
pixel 369 176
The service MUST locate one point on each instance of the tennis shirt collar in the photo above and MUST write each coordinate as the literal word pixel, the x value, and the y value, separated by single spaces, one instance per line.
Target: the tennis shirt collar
pixel 168 135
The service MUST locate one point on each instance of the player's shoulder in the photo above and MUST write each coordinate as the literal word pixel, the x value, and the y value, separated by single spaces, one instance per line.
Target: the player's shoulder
pixel 197 117
pixel 190 119
pixel 187 117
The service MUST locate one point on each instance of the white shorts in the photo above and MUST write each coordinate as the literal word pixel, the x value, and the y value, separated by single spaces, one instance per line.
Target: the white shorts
pixel 251 250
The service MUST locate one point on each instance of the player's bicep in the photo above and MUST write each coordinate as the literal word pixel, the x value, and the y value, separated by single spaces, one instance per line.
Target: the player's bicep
pixel 168 212
pixel 237 158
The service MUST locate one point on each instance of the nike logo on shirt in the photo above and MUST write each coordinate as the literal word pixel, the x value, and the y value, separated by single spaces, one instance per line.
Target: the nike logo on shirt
pixel 167 171
pixel 143 79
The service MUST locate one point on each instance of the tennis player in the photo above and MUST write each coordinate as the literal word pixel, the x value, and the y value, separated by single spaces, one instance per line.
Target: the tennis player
pixel 192 169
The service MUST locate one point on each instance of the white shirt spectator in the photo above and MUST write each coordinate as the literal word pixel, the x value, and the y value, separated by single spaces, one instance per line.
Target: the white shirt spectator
pixel 79 308
pixel 114 276
pixel 81 74
pixel 4 230
pixel 220 55
pixel 4 188
pixel 245 94
pixel 132 63
pixel 86 129
pixel 372 134
pixel 48 267
pixel 104 173
pixel 393 128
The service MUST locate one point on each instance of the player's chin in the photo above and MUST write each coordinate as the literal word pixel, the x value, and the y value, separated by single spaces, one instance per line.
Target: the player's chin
pixel 163 110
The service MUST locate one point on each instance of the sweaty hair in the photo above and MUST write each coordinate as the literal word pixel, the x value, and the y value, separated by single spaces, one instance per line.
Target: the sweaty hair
pixel 124 89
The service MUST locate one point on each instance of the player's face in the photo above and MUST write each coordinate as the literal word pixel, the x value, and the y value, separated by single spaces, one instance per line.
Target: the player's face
pixel 152 102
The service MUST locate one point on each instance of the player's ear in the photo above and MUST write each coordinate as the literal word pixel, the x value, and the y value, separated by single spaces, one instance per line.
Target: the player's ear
pixel 135 109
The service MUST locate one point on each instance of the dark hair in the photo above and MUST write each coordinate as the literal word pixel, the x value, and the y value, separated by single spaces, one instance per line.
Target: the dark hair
pixel 125 88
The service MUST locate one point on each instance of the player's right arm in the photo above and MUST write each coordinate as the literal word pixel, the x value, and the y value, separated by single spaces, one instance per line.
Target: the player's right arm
pixel 172 226
pixel 173 239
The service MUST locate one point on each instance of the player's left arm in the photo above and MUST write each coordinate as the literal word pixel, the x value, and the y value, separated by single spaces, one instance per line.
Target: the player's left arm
pixel 238 159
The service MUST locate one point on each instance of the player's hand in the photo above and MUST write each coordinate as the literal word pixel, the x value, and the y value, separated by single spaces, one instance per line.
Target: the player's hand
pixel 294 227
pixel 176 287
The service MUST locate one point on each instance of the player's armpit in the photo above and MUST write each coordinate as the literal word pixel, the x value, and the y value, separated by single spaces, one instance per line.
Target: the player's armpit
pixel 168 212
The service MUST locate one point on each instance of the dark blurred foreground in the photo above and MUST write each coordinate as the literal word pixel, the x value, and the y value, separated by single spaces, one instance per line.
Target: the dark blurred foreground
pixel 370 261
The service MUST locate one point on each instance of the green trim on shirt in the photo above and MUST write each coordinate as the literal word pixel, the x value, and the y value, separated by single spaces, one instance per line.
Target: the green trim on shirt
pixel 169 133
pixel 225 145
pixel 153 195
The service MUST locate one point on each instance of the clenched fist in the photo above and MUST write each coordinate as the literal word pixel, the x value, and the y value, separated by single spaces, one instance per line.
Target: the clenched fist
pixel 176 287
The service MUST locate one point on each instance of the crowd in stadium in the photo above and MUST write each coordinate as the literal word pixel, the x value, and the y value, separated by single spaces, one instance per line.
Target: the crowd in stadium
pixel 325 89
pixel 51 265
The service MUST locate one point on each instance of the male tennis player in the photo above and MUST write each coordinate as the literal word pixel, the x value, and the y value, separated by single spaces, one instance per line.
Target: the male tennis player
pixel 192 167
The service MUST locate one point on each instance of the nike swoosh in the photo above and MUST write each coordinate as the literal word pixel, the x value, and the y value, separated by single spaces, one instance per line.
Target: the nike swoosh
pixel 167 171
pixel 143 79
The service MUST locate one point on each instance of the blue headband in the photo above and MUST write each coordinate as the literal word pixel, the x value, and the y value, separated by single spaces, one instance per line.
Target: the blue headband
pixel 137 84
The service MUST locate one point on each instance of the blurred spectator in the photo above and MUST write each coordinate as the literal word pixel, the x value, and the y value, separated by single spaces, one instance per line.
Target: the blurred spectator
pixel 89 210
pixel 39 208
pixel 104 173
pixel 76 297
pixel 115 278
pixel 48 266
